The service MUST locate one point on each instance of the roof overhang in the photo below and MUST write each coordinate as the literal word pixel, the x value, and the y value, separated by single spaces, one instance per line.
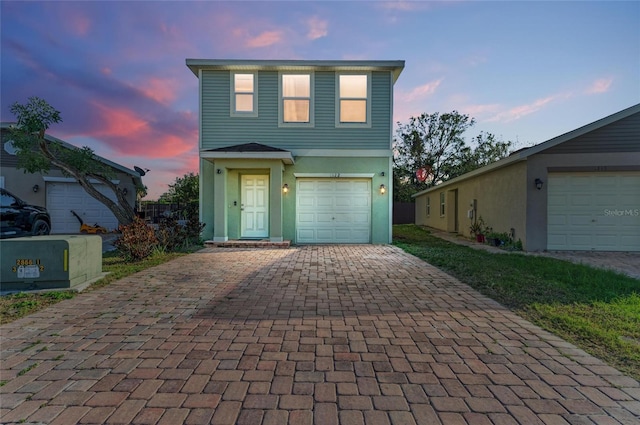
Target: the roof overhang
pixel 284 156
pixel 394 66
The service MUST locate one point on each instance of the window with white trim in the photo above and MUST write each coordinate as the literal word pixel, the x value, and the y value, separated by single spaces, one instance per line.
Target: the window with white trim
pixel 296 93
pixel 441 204
pixel 353 96
pixel 244 94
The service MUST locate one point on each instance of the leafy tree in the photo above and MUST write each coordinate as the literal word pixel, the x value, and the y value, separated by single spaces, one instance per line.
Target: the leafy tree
pixel 435 142
pixel 37 155
pixel 185 191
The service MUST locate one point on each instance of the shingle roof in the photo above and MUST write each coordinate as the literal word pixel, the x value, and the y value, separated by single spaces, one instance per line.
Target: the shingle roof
pixel 247 147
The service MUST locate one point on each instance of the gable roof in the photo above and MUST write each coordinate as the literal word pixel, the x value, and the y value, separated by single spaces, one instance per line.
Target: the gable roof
pixel 247 147
pixel 249 151
pixel 395 66
pixel 523 154
pixel 136 177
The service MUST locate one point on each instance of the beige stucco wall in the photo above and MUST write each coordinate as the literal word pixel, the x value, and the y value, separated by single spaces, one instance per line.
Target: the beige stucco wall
pixel 501 200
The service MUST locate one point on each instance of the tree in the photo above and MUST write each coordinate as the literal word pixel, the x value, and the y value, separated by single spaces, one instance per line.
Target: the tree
pixel 37 155
pixel 435 142
pixel 184 191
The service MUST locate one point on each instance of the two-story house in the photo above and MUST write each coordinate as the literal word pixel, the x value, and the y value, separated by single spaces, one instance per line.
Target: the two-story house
pixel 296 150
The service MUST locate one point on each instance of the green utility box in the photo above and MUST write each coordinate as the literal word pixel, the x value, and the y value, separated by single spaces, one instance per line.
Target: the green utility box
pixel 49 262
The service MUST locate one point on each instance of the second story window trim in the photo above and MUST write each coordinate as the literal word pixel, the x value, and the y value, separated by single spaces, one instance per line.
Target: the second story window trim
pixel 353 99
pixel 296 99
pixel 244 94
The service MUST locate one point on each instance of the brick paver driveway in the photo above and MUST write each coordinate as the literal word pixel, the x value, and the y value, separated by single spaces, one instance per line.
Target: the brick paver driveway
pixel 324 335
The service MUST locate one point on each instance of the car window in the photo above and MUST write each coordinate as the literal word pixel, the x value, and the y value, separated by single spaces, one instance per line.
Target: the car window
pixel 7 200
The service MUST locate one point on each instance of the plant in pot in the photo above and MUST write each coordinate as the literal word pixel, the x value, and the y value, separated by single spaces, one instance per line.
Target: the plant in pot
pixel 477 229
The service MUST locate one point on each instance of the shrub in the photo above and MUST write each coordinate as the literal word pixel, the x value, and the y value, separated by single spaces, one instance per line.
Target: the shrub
pixel 137 240
pixel 173 234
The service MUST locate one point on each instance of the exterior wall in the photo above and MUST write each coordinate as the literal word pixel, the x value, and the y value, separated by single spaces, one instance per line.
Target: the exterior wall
pixel 541 164
pixel 224 189
pixel 620 136
pixel 219 129
pixel 380 211
pixel 500 199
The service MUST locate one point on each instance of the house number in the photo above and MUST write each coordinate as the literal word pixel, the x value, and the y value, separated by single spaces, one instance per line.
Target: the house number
pixel 28 268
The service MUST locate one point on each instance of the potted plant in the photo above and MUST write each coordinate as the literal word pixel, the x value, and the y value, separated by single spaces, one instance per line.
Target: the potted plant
pixel 477 229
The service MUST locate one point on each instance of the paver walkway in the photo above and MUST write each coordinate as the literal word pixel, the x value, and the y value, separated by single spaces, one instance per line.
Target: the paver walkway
pixel 323 335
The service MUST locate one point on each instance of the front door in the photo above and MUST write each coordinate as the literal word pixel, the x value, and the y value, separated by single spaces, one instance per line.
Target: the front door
pixel 255 207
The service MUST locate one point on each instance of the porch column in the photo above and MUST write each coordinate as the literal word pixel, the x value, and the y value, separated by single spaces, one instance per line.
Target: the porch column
pixel 275 202
pixel 220 233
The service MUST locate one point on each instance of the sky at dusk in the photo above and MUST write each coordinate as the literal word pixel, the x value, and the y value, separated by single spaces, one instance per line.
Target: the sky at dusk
pixel 526 71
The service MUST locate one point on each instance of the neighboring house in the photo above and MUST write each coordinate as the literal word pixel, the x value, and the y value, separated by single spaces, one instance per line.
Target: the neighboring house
pixel 296 150
pixel 61 194
pixel 577 191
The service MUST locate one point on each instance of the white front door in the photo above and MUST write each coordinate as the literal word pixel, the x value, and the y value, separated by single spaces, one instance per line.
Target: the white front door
pixel 255 207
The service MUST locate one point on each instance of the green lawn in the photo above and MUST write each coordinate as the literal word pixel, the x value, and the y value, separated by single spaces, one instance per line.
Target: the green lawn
pixel 597 310
pixel 18 305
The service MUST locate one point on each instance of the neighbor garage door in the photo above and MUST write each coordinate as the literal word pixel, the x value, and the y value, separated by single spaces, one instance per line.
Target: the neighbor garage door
pixel 62 197
pixel 333 211
pixel 594 211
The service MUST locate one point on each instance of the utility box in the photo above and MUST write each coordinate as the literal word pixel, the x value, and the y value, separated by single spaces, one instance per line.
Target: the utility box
pixel 49 262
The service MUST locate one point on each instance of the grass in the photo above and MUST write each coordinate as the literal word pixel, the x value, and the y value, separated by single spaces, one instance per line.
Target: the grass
pixel 15 306
pixel 597 310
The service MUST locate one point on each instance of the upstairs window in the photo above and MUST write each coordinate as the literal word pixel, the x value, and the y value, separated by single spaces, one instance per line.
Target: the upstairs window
pixel 297 101
pixel 243 94
pixel 353 99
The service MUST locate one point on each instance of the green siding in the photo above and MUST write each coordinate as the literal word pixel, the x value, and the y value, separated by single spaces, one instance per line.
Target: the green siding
pixel 219 129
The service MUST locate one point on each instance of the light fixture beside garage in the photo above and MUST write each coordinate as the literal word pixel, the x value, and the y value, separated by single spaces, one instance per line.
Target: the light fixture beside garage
pixel 383 189
pixel 539 184
pixel 285 188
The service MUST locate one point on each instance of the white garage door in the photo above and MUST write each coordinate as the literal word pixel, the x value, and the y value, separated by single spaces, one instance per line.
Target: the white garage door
pixel 333 211
pixel 62 197
pixel 600 212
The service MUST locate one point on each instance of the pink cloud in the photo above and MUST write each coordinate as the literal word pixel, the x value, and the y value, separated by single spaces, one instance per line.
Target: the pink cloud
pixel 518 112
pixel 162 90
pixel 601 85
pixel 421 91
pixel 317 28
pixel 265 39
pixel 129 134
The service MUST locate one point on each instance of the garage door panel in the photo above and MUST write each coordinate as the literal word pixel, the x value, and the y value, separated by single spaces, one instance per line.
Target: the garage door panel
pixel 339 212
pixel 62 197
pixel 587 211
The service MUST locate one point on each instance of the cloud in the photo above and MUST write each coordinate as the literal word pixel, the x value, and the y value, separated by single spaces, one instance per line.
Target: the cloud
pixel 265 39
pixel 421 91
pixel 317 28
pixel 130 134
pixel 78 24
pixel 162 90
pixel 601 85
pixel 518 112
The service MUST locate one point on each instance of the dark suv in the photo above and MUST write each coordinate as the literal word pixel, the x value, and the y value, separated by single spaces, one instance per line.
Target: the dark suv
pixel 21 219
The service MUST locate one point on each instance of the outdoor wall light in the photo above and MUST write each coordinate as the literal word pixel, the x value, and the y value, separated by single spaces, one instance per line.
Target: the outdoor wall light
pixel 285 188
pixel 219 171
pixel 383 189
pixel 539 184
pixel 35 187
pixel 382 173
